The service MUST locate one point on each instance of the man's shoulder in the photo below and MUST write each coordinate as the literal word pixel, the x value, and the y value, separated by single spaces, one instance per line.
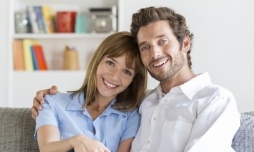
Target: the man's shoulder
pixel 150 91
pixel 218 90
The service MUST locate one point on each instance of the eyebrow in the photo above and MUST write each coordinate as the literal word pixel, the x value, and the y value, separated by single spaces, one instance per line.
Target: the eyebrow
pixel 158 36
pixel 125 65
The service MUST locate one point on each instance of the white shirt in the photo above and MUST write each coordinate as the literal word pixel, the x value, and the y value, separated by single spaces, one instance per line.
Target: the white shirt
pixel 196 116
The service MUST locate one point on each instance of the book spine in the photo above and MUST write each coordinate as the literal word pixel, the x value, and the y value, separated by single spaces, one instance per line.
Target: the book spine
pixel 42 65
pixel 27 54
pixel 18 55
pixel 35 62
pixel 48 19
pixel 32 19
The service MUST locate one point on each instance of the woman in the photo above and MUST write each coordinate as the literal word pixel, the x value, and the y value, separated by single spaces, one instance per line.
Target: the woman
pixel 102 115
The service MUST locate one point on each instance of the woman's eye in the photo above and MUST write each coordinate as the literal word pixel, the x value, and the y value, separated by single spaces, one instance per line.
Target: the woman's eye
pixel 144 48
pixel 127 72
pixel 110 63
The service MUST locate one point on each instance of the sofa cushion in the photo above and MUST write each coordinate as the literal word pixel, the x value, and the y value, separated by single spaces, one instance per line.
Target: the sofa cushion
pixel 244 138
pixel 17 128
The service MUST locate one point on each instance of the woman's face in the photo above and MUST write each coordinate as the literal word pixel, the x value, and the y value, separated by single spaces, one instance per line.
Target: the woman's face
pixel 113 76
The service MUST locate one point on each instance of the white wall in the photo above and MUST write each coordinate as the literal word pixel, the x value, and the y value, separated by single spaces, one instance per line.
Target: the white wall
pixel 4 74
pixel 223 41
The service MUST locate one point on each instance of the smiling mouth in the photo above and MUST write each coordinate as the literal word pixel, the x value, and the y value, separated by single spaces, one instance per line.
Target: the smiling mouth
pixel 160 63
pixel 108 84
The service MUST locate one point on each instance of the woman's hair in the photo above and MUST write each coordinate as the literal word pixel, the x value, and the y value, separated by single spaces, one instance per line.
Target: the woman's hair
pixel 116 45
pixel 176 21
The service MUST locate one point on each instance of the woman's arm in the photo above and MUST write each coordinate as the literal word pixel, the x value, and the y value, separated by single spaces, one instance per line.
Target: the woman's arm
pixel 125 145
pixel 48 137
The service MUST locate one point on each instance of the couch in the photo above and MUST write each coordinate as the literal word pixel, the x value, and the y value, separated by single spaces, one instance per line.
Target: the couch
pixel 17 129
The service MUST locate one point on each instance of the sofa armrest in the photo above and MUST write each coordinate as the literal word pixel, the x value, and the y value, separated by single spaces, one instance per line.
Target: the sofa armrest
pixel 17 130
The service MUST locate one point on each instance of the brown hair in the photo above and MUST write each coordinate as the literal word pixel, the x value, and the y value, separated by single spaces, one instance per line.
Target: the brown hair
pixel 176 21
pixel 116 45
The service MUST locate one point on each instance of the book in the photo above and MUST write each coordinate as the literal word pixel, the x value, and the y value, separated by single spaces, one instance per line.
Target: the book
pixel 32 18
pixel 48 18
pixel 39 54
pixel 35 62
pixel 27 43
pixel 18 55
pixel 39 19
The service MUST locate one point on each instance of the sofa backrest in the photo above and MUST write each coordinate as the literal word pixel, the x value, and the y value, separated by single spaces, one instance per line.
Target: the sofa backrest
pixel 244 138
pixel 16 130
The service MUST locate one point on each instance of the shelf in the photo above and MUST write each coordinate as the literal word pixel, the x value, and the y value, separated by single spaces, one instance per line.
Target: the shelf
pixel 70 2
pixel 22 85
pixel 49 72
pixel 61 36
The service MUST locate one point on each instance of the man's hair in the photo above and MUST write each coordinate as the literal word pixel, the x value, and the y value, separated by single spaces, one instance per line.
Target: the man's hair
pixel 176 21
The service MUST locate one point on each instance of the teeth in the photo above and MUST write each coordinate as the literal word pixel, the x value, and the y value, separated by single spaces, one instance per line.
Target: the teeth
pixel 160 63
pixel 109 84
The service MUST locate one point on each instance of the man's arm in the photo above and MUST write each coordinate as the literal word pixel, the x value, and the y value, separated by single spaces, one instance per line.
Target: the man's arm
pixel 215 126
pixel 38 99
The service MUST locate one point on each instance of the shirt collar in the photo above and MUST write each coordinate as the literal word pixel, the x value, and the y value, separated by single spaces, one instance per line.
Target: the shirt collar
pixel 78 100
pixel 110 110
pixel 190 87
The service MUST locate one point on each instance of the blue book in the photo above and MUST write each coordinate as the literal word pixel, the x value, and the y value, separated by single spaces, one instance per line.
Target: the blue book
pixel 35 63
pixel 40 19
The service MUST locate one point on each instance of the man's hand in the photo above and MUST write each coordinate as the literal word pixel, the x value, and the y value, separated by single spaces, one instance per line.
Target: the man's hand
pixel 38 99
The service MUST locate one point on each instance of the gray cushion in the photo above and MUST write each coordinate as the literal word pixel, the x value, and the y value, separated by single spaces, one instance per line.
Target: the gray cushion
pixel 244 138
pixel 17 128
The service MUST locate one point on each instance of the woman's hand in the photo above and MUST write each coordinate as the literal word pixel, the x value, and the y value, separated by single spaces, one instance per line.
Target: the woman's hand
pixel 82 143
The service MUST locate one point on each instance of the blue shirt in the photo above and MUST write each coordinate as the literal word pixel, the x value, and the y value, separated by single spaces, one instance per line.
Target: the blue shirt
pixel 110 128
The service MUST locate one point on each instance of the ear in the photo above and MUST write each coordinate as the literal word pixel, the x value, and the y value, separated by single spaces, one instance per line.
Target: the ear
pixel 186 44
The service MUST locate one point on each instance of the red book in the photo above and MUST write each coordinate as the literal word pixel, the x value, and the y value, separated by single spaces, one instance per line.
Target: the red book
pixel 38 51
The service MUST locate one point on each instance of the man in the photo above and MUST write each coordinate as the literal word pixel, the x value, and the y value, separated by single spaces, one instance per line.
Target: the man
pixel 186 112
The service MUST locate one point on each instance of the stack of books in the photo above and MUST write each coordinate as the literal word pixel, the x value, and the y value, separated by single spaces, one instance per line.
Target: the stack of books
pixel 28 55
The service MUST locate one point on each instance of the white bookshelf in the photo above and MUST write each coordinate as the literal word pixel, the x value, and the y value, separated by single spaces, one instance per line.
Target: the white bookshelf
pixel 22 85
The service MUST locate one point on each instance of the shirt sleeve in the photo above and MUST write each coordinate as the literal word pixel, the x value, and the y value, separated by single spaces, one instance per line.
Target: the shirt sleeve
pixel 132 125
pixel 46 116
pixel 215 126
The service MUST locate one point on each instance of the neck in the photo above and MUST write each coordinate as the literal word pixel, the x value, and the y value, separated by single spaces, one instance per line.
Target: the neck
pixel 100 103
pixel 177 79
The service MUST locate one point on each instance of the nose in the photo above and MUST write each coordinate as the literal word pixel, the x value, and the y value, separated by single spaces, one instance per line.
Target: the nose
pixel 114 74
pixel 155 52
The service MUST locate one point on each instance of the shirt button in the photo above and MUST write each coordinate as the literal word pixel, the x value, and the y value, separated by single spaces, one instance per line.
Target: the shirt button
pixel 154 119
pixel 148 142
pixel 166 100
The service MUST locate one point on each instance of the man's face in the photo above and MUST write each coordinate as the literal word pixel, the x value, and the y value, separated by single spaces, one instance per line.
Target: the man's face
pixel 160 51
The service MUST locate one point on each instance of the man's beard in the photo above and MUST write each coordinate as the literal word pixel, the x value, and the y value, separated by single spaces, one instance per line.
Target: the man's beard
pixel 172 69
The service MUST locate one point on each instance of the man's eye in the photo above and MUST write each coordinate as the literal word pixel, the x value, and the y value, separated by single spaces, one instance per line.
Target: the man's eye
pixel 161 42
